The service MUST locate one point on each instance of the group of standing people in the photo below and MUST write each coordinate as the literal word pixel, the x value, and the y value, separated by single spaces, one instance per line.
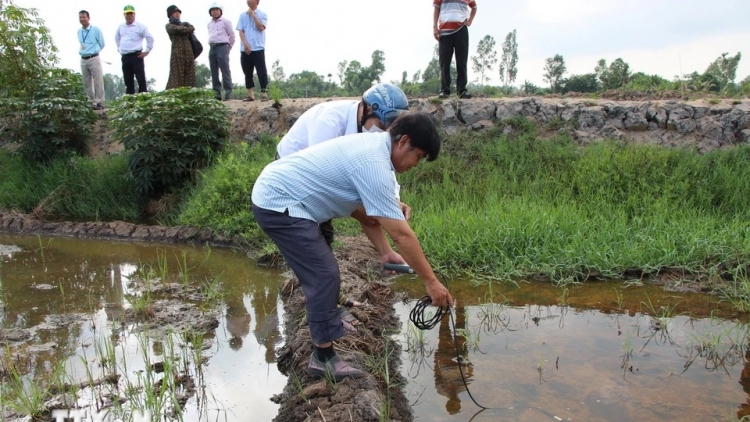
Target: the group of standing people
pixel 130 37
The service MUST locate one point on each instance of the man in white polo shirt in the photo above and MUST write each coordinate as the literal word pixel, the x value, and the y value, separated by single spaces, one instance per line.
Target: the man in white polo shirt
pixel 292 196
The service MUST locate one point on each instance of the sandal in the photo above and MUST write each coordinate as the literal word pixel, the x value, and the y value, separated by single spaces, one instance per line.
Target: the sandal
pixel 350 321
pixel 349 302
pixel 248 99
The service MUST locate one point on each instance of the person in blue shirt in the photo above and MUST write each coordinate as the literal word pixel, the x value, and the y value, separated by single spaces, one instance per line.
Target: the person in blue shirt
pixel 252 28
pixel 293 195
pixel 92 42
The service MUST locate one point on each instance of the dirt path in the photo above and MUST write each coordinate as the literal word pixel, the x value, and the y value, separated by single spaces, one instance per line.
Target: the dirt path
pixel 307 398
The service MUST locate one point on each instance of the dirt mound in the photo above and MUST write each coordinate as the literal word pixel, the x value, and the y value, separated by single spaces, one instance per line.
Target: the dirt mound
pixel 377 396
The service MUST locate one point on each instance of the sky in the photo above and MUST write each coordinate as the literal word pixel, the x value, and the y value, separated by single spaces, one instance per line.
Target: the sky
pixel 664 37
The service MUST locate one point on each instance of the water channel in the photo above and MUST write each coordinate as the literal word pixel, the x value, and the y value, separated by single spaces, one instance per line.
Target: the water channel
pixel 528 351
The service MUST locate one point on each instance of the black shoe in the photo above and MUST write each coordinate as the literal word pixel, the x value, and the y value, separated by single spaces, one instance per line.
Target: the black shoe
pixel 227 98
pixel 465 95
pixel 444 95
pixel 217 98
pixel 99 106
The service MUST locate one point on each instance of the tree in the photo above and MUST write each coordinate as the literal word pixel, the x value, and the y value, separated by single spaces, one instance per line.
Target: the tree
pixel 485 59
pixel 26 49
pixel 724 69
pixel 202 75
pixel 277 71
pixel 588 82
pixel 508 70
pixel 614 76
pixel 554 70
pixel 358 78
pixel 342 71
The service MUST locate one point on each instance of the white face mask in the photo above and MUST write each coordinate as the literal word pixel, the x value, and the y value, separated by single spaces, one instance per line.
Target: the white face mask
pixel 372 129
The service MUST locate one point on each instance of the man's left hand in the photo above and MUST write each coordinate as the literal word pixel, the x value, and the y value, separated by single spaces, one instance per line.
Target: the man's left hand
pixel 405 209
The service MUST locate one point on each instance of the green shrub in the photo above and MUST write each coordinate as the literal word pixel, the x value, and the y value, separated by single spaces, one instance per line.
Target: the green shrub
pixel 55 120
pixel 221 198
pixel 27 49
pixel 171 135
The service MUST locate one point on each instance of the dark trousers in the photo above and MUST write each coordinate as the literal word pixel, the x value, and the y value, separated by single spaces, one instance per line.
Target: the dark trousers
pixel 218 60
pixel 459 43
pixel 256 60
pixel 304 249
pixel 132 65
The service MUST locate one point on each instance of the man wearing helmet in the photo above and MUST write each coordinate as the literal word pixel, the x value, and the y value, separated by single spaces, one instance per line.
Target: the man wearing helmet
pixel 293 195
pixel 221 41
pixel 379 107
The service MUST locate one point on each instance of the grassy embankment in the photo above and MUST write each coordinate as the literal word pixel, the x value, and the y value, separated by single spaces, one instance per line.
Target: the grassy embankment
pixel 497 206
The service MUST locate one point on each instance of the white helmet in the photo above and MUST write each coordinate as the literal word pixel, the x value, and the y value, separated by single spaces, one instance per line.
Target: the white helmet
pixel 215 6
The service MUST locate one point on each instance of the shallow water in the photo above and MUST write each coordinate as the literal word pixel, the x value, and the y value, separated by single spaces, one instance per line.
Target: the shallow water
pixel 595 358
pixel 533 351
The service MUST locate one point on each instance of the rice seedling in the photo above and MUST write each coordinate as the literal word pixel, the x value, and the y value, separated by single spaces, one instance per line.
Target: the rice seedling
pixel 22 394
pixel 660 317
pixel 183 267
pixel 298 385
pixel 618 298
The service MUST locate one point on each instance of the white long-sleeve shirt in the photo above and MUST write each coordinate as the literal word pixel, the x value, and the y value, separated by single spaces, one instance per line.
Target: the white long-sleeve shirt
pixel 129 38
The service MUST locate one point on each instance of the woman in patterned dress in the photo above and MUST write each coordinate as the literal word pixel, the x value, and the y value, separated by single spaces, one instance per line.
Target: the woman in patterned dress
pixel 182 63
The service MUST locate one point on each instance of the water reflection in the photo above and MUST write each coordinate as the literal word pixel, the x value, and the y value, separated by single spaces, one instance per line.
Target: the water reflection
pixel 449 381
pixel 649 355
pixel 71 293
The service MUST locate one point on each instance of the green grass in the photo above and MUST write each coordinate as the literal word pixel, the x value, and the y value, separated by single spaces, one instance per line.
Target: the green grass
pixel 71 188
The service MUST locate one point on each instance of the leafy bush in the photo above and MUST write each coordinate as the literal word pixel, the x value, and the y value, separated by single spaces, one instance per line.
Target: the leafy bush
pixel 221 198
pixel 55 120
pixel 171 135
pixel 27 49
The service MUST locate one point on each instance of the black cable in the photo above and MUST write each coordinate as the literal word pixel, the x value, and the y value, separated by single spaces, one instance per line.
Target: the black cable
pixel 418 318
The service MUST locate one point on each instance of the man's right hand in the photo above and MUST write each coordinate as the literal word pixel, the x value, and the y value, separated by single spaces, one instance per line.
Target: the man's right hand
pixel 439 294
pixel 436 33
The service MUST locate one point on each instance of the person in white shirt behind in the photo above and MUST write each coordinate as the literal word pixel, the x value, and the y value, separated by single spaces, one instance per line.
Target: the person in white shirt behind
pixel 379 107
pixel 129 39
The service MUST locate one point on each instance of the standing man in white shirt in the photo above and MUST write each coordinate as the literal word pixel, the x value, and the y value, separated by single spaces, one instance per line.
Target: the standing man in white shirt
pixel 129 40
pixel 92 42
pixel 221 41
pixel 252 29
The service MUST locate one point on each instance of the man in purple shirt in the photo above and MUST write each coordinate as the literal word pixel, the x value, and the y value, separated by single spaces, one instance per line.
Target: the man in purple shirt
pixel 221 41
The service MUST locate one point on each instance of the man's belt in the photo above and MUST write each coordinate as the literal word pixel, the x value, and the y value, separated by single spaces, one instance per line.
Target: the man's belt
pixel 88 57
pixel 132 53
pixel 218 44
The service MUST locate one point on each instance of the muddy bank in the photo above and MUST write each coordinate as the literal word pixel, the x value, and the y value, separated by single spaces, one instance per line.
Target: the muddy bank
pixel 375 397
pixel 12 222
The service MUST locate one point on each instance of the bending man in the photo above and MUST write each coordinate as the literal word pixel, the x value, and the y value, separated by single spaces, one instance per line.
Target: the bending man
pixel 292 196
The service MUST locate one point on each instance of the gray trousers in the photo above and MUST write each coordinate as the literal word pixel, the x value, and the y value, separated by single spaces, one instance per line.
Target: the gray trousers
pixel 93 79
pixel 305 250
pixel 218 60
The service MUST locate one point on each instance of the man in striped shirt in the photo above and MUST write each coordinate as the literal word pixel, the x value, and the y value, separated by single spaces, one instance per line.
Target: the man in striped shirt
pixel 333 179
pixel 451 21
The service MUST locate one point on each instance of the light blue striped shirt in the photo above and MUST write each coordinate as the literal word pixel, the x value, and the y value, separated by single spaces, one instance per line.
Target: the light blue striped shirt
pixel 332 179
pixel 91 40
pixel 254 37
